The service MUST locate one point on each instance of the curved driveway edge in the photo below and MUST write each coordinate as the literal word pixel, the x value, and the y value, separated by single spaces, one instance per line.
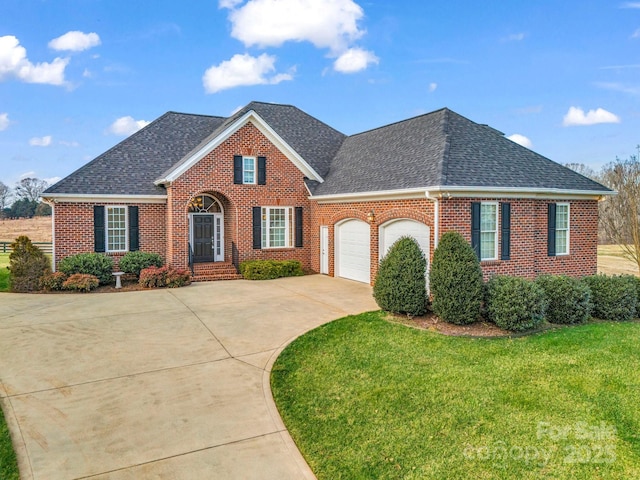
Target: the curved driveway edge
pixel 162 383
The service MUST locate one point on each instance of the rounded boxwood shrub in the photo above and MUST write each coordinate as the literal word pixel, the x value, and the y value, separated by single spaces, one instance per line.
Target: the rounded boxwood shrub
pixel 400 285
pixel 613 297
pixel 568 299
pixel 135 262
pixel 96 264
pixel 270 269
pixel 27 265
pixel 515 303
pixel 455 281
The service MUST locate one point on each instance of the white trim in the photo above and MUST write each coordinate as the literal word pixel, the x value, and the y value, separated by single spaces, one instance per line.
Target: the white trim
pixel 436 220
pixel 495 232
pixel 324 254
pixel 568 205
pixel 255 170
pixel 86 198
pixel 198 154
pixel 53 237
pixel 106 228
pixel 289 227
pixel 440 192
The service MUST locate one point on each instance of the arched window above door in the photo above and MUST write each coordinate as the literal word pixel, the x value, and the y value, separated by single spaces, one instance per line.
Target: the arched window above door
pixel 204 204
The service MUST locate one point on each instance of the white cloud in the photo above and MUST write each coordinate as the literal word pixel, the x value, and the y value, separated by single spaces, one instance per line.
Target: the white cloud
pixel 75 41
pixel 242 70
pixel 69 144
pixel 515 37
pixel 30 174
pixel 636 34
pixel 52 180
pixel 41 141
pixel 432 87
pixel 354 60
pixel 14 63
pixel 520 140
pixel 630 5
pixel 576 116
pixel 329 24
pixel 619 87
pixel 4 121
pixel 87 73
pixel 126 126
pixel 229 3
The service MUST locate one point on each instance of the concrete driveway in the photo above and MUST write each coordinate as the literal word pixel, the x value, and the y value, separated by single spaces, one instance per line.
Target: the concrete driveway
pixel 162 384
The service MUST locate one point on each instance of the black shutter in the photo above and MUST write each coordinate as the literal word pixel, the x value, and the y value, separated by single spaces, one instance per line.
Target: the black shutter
pixel 475 227
pixel 134 230
pixel 257 227
pixel 298 221
pixel 237 169
pixel 551 236
pixel 98 229
pixel 505 244
pixel 262 170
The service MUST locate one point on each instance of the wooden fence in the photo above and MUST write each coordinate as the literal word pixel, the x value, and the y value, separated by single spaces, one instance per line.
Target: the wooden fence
pixel 46 247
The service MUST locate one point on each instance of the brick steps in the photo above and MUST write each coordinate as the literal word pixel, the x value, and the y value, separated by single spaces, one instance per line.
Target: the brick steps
pixel 209 272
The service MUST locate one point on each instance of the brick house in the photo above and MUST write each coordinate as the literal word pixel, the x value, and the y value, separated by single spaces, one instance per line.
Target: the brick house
pixel 272 182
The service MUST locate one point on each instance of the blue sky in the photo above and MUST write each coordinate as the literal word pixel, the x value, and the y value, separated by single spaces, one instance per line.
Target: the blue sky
pixel 76 77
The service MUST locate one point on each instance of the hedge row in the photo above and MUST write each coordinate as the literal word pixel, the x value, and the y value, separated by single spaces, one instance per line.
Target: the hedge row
pixel 269 269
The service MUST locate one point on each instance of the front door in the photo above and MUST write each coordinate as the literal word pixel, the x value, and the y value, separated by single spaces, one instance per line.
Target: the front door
pixel 203 238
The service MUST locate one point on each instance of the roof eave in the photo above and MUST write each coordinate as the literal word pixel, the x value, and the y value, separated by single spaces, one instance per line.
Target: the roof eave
pixel 102 198
pixel 251 116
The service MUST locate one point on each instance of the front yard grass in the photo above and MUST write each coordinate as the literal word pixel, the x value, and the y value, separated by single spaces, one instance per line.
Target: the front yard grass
pixel 4 272
pixel 8 463
pixel 364 398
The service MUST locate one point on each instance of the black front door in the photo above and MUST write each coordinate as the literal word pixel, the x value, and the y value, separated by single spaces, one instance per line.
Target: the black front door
pixel 203 238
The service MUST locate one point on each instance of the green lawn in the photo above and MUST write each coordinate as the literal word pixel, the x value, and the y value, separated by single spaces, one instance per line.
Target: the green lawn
pixel 4 273
pixel 8 464
pixel 364 398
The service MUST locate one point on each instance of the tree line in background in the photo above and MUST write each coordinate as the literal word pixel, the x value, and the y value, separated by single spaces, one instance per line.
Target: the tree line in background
pixel 23 201
pixel 619 214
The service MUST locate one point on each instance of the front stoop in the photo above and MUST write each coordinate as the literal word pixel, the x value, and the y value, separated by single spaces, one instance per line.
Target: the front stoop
pixel 208 272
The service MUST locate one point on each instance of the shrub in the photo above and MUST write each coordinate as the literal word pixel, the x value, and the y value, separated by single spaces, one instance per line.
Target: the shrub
pixel 514 303
pixel 455 280
pixel 569 299
pixel 53 281
pixel 97 264
pixel 81 282
pixel 27 264
pixel 400 285
pixel 134 262
pixel 613 297
pixel 636 282
pixel 269 269
pixel 166 276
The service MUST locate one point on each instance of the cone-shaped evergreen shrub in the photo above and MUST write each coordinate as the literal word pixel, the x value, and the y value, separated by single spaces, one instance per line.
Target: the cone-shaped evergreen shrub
pixel 455 281
pixel 27 264
pixel 400 285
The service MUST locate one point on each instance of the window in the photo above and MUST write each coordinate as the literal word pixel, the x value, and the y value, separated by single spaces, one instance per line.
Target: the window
pixel 248 170
pixel 116 230
pixel 488 231
pixel 562 229
pixel 277 223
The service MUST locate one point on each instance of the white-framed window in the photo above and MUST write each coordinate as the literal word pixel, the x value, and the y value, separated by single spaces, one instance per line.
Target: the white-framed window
pixel 248 169
pixel 489 231
pixel 562 229
pixel 116 231
pixel 277 227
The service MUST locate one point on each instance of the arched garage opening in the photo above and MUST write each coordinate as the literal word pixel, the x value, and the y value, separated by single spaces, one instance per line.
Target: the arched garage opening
pixel 392 230
pixel 353 250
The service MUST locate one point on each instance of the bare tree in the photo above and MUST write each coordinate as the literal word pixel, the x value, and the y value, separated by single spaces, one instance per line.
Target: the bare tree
pixel 620 214
pixel 583 170
pixel 5 195
pixel 30 189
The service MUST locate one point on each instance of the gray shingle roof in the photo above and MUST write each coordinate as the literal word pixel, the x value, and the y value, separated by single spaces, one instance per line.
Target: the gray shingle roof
pixel 442 149
pixel 130 167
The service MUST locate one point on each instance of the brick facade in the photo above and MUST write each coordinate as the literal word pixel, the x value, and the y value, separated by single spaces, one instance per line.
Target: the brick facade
pixel 164 228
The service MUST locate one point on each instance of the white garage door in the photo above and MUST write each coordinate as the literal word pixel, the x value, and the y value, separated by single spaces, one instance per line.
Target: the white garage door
pixel 392 231
pixel 352 244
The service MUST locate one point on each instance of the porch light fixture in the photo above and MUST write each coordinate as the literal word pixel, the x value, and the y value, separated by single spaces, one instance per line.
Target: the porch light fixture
pixel 371 217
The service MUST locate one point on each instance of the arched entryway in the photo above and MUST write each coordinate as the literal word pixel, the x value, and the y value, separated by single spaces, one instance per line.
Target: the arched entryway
pixel 206 229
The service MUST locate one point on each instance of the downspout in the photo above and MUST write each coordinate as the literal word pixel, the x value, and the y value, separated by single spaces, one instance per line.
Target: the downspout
pixel 436 218
pixel 52 203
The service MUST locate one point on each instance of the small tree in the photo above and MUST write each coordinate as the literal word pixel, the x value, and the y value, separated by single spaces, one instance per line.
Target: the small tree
pixel 27 265
pixel 5 195
pixel 400 285
pixel 30 189
pixel 456 280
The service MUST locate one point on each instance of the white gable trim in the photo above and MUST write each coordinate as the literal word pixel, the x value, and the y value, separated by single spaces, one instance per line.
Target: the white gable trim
pixel 251 116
